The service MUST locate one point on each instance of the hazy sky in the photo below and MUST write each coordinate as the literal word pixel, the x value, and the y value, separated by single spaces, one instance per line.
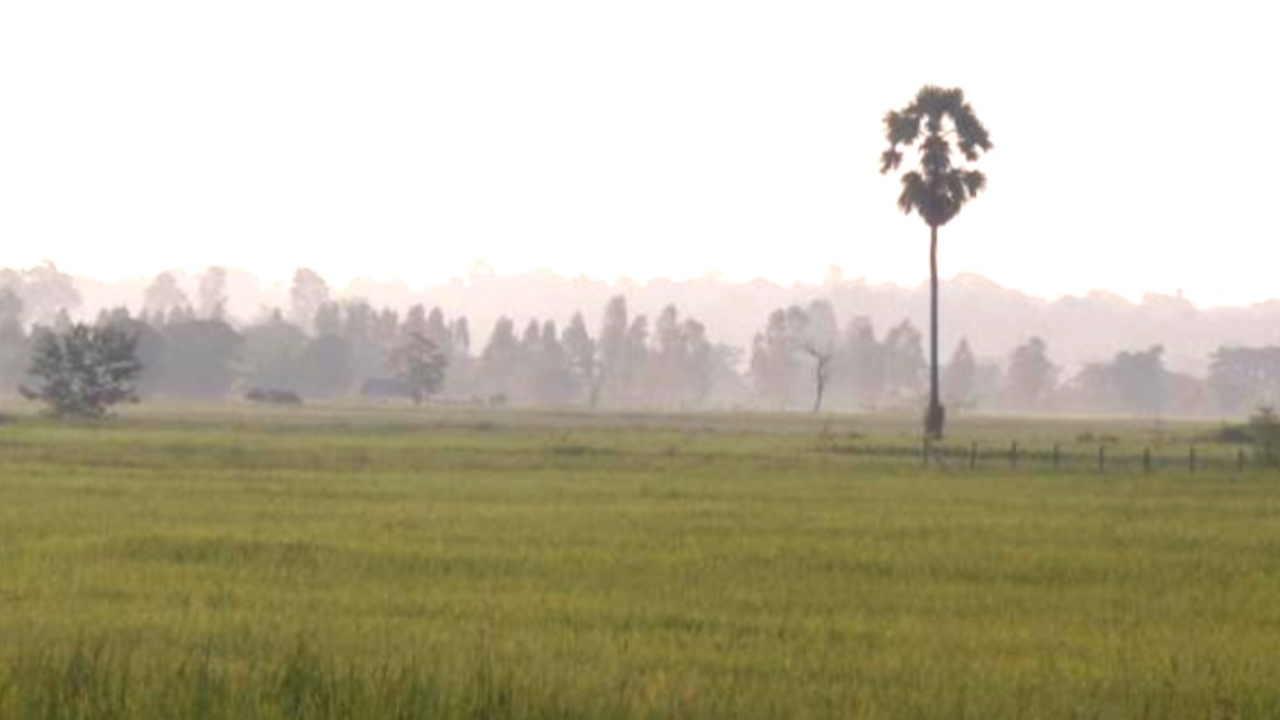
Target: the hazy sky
pixel 409 139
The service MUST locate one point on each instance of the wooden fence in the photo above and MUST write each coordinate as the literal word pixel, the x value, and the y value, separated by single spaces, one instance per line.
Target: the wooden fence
pixel 1102 458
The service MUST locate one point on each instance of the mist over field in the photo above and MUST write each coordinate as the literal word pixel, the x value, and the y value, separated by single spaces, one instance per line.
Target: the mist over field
pixel 994 319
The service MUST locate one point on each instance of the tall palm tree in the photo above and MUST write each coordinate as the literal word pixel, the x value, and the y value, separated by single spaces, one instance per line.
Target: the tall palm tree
pixel 937 122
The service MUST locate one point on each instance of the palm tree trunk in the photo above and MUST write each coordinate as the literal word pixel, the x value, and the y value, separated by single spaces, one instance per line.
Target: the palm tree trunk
pixel 935 415
pixel 820 388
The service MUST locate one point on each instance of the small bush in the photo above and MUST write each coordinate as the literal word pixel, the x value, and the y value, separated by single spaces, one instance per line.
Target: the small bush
pixel 273 397
pixel 1233 434
pixel 1264 430
pixel 1089 438
pixel 82 372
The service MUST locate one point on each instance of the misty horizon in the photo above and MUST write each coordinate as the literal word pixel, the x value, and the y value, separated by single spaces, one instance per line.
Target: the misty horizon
pixel 484 269
pixel 994 319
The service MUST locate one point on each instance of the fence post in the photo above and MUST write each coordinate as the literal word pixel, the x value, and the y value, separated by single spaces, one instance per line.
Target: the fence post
pixel 1057 456
pixel 1102 458
pixel 1013 455
pixel 1146 461
pixel 973 455
pixel 1191 460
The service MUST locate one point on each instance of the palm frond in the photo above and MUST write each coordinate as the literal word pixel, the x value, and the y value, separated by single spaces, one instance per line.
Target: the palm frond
pixel 914 193
pixel 901 127
pixel 973 135
pixel 956 191
pixel 974 182
pixel 936 104
pixel 890 160
pixel 935 155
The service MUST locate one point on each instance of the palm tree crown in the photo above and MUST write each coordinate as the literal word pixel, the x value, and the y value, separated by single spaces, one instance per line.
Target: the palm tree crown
pixel 938 120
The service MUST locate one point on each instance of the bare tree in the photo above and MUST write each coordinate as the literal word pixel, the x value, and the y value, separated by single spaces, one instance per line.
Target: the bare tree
pixel 822 357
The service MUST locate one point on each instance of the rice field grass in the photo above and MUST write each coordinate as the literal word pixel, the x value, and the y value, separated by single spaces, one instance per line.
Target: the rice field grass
pixel 353 563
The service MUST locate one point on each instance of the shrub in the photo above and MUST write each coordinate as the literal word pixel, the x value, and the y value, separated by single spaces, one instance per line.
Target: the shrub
pixel 1233 434
pixel 1264 430
pixel 83 371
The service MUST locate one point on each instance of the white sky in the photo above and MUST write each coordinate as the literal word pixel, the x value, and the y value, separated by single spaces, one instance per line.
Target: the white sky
pixel 408 139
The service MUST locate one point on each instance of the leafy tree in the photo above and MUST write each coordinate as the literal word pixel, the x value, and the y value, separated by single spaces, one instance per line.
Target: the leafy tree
pixel 84 371
pixel 903 355
pixel 499 360
pixel 272 352
pixel 437 331
pixel 1091 389
pixel 938 121
pixel 451 338
pixel 419 364
pixel 327 320
pixel 150 348
pixel 725 385
pixel 200 359
pixel 1240 376
pixel 581 351
pixel 326 367
pixel 772 359
pixel 615 358
pixel 528 371
pixel 213 293
pixel 546 376
pixel 415 321
pixel 164 295
pixel 12 309
pixel 669 358
pixel 815 334
pixel 62 321
pixel 962 377
pixel 1032 376
pixel 360 327
pixel 637 358
pixel 13 336
pixel 1141 381
pixel 822 328
pixel 860 370
pixel 700 362
pixel 48 293
pixel 1133 382
pixel 681 361
pixel 308 293
pixel 386 327
pixel 461 377
pixel 1187 395
pixel 460 332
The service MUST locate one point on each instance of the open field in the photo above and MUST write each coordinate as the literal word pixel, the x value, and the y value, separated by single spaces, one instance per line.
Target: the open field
pixel 381 563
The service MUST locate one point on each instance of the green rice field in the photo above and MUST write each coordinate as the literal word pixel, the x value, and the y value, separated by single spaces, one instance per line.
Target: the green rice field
pixel 382 563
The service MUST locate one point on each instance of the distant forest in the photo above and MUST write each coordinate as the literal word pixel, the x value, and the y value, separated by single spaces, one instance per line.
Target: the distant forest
pixel 541 340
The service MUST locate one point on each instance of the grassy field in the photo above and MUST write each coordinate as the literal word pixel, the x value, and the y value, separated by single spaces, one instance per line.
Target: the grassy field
pixel 378 563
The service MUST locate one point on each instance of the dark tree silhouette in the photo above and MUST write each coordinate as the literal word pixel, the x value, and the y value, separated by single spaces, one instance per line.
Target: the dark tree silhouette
pixel 822 356
pixel 420 365
pixel 938 121
pixel 82 372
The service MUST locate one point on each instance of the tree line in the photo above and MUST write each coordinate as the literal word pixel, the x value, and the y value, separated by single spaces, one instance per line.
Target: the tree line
pixel 802 358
